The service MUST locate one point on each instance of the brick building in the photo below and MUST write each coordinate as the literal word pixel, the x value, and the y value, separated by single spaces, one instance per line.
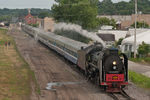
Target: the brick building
pixel 29 19
pixel 140 18
pixel 127 20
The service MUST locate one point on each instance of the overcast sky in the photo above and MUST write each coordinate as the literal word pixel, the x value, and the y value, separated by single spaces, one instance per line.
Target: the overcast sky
pixel 31 3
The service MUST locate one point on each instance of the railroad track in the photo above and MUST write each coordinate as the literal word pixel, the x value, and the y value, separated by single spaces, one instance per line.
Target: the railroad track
pixel 122 95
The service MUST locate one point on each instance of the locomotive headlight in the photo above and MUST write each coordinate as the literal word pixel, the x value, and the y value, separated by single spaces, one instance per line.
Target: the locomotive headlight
pixel 114 67
pixel 114 62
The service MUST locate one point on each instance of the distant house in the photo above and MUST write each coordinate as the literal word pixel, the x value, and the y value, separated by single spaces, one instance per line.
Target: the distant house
pixel 47 24
pixel 109 39
pixel 127 45
pixel 29 19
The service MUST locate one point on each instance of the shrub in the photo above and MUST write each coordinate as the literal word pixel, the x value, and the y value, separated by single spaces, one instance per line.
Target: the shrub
pixel 34 25
pixel 139 79
pixel 118 42
pixel 141 25
pixel 144 49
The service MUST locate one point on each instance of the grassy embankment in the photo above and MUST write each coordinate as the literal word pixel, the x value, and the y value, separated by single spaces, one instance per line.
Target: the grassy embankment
pixel 139 79
pixel 145 60
pixel 15 74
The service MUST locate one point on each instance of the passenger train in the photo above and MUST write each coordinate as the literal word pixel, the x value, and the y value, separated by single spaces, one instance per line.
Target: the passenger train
pixel 103 66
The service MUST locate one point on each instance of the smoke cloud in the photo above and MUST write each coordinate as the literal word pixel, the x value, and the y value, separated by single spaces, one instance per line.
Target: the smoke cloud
pixel 78 28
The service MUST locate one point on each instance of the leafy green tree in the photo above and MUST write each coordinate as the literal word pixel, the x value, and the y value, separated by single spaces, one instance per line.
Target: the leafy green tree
pixel 6 14
pixel 105 21
pixel 82 12
pixel 119 41
pixel 5 18
pixel 44 14
pixel 107 7
pixel 141 25
pixel 144 49
pixel 34 25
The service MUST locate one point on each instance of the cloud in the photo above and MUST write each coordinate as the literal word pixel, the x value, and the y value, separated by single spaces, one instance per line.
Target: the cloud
pixel 31 3
pixel 26 3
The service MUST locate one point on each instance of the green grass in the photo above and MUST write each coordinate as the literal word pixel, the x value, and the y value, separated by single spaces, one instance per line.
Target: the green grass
pixel 146 59
pixel 15 74
pixel 139 79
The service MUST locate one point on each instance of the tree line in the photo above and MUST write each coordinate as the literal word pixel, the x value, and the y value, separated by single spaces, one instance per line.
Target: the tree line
pixel 84 12
pixel 81 12
pixel 6 14
pixel 107 7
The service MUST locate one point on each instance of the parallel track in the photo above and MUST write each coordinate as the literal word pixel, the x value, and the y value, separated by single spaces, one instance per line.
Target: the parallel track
pixel 122 93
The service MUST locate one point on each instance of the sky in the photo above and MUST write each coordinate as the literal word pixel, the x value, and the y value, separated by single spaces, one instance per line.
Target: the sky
pixel 31 3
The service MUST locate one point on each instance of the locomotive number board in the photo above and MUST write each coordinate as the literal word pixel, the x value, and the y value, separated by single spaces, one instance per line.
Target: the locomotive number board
pixel 114 77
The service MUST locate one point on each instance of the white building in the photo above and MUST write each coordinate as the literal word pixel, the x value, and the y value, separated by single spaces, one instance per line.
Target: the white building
pixel 138 30
pixel 128 43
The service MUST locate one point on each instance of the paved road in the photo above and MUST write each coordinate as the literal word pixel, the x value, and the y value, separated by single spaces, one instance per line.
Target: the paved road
pixel 139 68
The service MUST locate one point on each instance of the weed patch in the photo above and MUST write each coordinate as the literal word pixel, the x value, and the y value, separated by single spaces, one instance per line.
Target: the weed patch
pixel 139 79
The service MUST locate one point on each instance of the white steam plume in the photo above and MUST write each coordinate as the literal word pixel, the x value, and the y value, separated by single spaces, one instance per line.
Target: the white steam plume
pixel 78 28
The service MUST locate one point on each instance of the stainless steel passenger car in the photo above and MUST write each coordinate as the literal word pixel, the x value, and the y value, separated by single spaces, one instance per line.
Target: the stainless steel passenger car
pixel 64 46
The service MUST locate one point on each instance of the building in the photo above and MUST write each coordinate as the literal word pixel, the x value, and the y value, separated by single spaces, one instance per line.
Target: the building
pixel 47 24
pixel 127 45
pixel 140 18
pixel 109 39
pixel 127 20
pixel 29 19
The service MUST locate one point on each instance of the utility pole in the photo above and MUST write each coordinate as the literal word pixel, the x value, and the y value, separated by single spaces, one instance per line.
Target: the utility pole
pixel 135 28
